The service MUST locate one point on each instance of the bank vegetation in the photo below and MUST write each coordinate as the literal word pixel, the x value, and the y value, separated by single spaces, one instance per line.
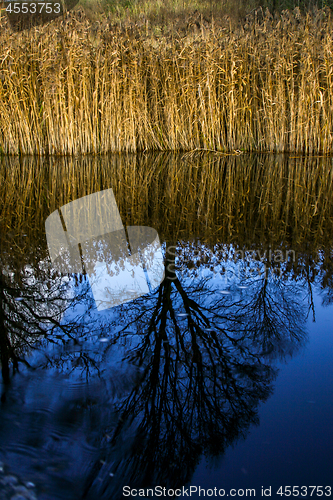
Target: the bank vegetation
pixel 79 85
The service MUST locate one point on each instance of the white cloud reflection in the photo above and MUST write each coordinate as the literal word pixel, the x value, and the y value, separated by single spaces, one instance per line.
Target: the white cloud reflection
pixel 87 235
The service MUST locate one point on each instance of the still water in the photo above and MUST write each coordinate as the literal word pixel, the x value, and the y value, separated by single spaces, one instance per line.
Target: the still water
pixel 166 322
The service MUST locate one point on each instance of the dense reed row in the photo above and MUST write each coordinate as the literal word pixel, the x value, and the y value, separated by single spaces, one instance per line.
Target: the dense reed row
pixel 218 198
pixel 74 87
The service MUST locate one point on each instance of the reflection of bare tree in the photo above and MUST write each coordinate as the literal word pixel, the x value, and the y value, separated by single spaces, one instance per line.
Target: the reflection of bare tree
pixel 326 272
pixel 204 373
pixel 200 364
pixel 272 316
pixel 32 302
pixel 313 269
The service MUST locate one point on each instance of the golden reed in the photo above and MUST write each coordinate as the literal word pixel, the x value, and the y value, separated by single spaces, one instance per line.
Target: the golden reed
pixel 77 87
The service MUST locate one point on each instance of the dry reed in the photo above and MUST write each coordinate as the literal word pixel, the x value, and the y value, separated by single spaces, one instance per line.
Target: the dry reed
pixel 76 87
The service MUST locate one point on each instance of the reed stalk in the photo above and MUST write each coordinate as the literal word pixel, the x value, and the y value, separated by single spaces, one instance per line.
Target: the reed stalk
pixel 77 87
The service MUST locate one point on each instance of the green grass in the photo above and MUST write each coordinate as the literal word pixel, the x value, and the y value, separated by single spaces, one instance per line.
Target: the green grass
pixel 159 12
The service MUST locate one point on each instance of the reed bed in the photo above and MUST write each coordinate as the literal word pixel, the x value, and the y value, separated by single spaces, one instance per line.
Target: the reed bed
pixel 243 199
pixel 76 87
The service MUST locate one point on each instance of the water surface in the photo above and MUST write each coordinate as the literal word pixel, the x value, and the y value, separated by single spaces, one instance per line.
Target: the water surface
pixel 218 376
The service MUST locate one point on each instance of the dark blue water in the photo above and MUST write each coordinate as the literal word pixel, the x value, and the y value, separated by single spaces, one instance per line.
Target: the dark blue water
pixel 229 371
pixel 293 445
